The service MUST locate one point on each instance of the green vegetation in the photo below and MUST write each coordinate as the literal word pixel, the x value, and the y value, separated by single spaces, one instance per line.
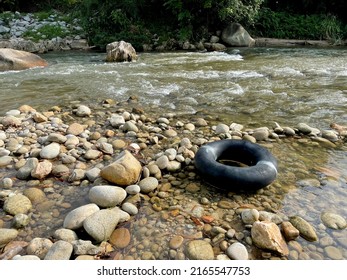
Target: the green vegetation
pixel 46 32
pixel 139 21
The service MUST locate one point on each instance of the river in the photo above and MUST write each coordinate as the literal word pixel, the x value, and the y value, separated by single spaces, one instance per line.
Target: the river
pixel 252 86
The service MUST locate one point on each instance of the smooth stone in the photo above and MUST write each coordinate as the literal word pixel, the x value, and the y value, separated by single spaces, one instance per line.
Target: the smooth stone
pixel 107 196
pixel 85 247
pixel 5 160
pixel 7 235
pixel 50 151
pixel 39 247
pixel 162 162
pixel 305 229
pixel 75 129
pixel 83 111
pixel 20 220
pixel 148 184
pixel 289 231
pixel 333 221
pixel 101 224
pixel 26 258
pixel 93 173
pixel 237 251
pixel 25 171
pixel 199 250
pixel 75 218
pixel 333 253
pixel 17 204
pixel 133 189
pixel 116 120
pixel 176 242
pixel 42 169
pixel 173 166
pixel 249 216
pixel 270 217
pixel 124 171
pixel 60 250
pixel 120 238
pixel 35 195
pixel 261 134
pixel 130 208
pixel 65 234
pixel 222 128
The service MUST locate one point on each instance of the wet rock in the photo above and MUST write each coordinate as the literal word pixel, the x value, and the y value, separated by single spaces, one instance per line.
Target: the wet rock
pixel 130 208
pixel 237 251
pixel 235 35
pixel 35 195
pixel 75 218
pixel 199 250
pixel 249 216
pixel 26 257
pixel 83 111
pixel 17 204
pixel 133 189
pixel 60 250
pixel 20 220
pixel 222 128
pixel 120 52
pixel 101 224
pixel 5 160
pixel 85 247
pixel 176 242
pixel 333 253
pixel 107 196
pixel 7 235
pixel 25 171
pixel 333 221
pixel 270 217
pixel 120 238
pixel 39 247
pixel 305 229
pixel 124 171
pixel 308 183
pixel 261 133
pixel 148 184
pixel 267 235
pixel 289 231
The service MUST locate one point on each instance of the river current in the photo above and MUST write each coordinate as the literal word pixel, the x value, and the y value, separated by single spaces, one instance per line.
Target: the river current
pixel 252 86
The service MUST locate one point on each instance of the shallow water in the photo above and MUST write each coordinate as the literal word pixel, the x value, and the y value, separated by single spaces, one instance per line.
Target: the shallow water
pixel 254 87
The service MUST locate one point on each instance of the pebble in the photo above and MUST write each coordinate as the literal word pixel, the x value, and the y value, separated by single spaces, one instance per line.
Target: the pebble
pixel 50 151
pixel 39 247
pixel 101 224
pixel 237 251
pixel 249 216
pixel 199 250
pixel 133 189
pixel 64 234
pixel 75 218
pixel 334 221
pixel 176 242
pixel 333 253
pixel 7 235
pixel 130 208
pixel 148 184
pixel 305 229
pixel 120 238
pixel 17 204
pixel 60 250
pixel 107 196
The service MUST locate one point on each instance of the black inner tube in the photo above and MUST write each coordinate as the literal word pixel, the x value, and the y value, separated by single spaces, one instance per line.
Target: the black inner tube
pixel 260 170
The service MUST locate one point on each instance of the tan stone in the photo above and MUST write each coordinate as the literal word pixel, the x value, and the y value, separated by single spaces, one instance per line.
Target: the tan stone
pixel 289 231
pixel 267 235
pixel 11 59
pixel 124 171
pixel 75 129
pixel 120 238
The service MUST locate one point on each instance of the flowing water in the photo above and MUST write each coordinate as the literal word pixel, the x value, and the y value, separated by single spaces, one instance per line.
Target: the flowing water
pixel 254 87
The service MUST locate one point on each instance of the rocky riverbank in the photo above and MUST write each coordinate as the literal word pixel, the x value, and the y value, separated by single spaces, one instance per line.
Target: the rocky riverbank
pixel 110 181
pixel 40 33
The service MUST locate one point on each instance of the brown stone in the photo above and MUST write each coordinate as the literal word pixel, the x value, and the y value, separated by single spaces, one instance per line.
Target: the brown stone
pixel 289 231
pixel 124 171
pixel 75 129
pixel 176 242
pixel 120 238
pixel 267 235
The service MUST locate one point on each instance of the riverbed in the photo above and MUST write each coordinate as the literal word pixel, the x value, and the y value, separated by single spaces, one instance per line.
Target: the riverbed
pixel 253 87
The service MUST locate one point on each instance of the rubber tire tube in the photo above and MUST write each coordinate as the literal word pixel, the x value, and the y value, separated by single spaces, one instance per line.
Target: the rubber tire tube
pixel 261 167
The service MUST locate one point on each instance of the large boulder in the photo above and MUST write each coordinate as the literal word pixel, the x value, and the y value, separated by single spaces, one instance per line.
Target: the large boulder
pixel 124 171
pixel 236 36
pixel 120 52
pixel 11 59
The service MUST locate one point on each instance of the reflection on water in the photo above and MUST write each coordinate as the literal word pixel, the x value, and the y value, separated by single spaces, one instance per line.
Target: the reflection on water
pixel 254 87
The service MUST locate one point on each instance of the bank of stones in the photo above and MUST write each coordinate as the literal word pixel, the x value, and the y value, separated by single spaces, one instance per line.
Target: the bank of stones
pixel 53 181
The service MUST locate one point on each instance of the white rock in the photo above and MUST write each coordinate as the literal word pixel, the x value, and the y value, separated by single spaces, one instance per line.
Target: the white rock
pixel 107 195
pixel 50 151
pixel 74 219
pixel 237 251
